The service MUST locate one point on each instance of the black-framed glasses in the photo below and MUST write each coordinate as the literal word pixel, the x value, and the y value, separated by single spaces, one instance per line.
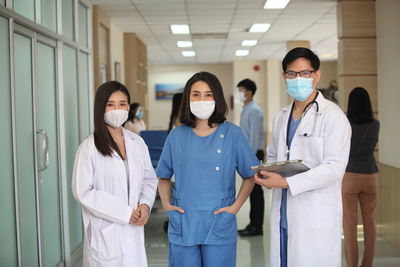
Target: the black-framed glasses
pixel 303 74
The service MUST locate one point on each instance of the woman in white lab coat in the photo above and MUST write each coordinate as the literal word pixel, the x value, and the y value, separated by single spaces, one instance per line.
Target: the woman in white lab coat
pixel 306 212
pixel 116 184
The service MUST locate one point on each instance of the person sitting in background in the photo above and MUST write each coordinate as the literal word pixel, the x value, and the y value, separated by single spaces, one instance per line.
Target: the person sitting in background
pixel 174 118
pixel 135 121
pixel 360 182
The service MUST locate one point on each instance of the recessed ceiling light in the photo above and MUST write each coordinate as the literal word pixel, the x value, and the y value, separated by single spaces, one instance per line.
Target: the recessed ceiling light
pixel 276 4
pixel 188 53
pixel 184 43
pixel 259 27
pixel 241 53
pixel 327 55
pixel 249 42
pixel 180 28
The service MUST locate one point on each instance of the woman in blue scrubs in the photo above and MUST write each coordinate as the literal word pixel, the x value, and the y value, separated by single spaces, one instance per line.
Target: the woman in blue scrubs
pixel 203 155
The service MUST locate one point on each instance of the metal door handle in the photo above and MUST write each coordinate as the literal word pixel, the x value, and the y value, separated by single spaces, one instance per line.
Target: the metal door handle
pixel 46 149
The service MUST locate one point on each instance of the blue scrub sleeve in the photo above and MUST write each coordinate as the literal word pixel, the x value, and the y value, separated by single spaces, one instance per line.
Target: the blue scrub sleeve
pixel 245 157
pixel 164 167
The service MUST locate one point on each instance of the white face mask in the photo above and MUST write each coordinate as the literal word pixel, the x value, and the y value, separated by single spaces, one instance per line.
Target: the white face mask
pixel 115 118
pixel 202 109
pixel 242 97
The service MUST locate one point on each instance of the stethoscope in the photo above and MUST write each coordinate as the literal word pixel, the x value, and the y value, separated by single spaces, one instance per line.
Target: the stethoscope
pixel 302 132
pixel 306 109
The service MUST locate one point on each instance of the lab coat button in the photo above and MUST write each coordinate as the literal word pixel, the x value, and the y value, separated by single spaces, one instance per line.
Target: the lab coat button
pixel 219 151
pixel 217 168
pixel 222 136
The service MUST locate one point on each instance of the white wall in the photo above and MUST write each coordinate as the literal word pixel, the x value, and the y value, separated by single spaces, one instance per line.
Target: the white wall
pixel 276 93
pixel 328 73
pixel 160 110
pixel 388 43
pixel 243 70
pixel 117 50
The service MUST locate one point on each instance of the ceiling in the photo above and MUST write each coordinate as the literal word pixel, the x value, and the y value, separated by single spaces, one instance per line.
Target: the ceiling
pixel 313 20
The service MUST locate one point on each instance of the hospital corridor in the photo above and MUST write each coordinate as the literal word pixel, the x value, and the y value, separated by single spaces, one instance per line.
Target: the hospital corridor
pixel 199 133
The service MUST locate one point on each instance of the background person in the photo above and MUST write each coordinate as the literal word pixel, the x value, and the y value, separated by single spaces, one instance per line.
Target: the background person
pixel 252 125
pixel 203 155
pixel 360 182
pixel 135 122
pixel 115 182
pixel 174 119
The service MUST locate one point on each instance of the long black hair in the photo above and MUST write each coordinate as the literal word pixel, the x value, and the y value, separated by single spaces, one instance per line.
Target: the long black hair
pixel 221 108
pixel 359 108
pixel 102 138
pixel 176 104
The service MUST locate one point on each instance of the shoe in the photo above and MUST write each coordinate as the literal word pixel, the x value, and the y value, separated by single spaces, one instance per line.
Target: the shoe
pixel 244 229
pixel 251 231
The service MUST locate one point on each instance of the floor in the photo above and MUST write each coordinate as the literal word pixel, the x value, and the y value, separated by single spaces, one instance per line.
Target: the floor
pixel 252 251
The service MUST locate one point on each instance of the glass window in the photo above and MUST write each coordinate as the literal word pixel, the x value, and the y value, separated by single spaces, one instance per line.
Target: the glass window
pixel 49 14
pixel 25 152
pixel 72 139
pixel 8 244
pixel 25 7
pixel 68 18
pixel 83 25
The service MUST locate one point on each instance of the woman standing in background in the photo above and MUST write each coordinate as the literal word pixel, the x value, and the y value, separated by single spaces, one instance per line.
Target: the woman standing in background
pixel 360 182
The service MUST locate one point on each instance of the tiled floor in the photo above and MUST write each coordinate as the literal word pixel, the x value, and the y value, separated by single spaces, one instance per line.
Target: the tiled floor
pixel 252 251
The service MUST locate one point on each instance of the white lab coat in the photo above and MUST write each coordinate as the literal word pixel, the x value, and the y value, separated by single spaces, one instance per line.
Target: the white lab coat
pixel 314 201
pixel 100 184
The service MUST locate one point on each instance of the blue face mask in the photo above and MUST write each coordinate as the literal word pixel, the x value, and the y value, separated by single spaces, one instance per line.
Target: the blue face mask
pixel 139 115
pixel 299 88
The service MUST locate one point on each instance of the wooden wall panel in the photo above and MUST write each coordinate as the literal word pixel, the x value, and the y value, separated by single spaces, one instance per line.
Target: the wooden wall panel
pixel 388 214
pixel 356 19
pixel 101 44
pixel 357 56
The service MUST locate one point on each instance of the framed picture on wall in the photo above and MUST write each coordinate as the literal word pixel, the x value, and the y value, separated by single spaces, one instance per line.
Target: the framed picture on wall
pixel 165 91
pixel 117 71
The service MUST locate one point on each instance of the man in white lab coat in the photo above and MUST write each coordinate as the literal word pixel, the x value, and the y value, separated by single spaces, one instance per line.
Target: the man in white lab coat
pixel 306 212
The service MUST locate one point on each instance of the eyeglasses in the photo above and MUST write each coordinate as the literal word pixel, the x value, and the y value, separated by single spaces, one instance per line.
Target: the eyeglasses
pixel 303 74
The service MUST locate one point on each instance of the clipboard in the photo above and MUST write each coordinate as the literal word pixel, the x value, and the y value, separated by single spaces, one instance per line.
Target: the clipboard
pixel 284 168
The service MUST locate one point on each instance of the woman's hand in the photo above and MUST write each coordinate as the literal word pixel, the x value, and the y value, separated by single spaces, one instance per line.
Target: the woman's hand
pixel 170 207
pixel 140 216
pixel 230 209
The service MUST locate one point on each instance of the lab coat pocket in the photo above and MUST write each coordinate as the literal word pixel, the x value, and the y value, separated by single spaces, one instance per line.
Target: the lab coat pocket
pixel 106 242
pixel 225 226
pixel 310 150
pixel 175 222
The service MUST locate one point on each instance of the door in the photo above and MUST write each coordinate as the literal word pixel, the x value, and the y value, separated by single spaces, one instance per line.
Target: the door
pixel 37 170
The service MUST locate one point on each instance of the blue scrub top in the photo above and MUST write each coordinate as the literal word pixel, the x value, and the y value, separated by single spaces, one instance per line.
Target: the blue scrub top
pixel 293 125
pixel 204 170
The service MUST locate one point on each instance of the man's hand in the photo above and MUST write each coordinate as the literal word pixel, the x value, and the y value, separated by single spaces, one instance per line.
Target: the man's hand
pixel 271 180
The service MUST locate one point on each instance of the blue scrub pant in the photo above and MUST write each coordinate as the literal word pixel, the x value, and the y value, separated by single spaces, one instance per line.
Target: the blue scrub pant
pixel 202 256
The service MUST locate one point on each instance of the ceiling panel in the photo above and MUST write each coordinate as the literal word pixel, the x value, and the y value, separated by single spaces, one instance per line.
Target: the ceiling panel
pixel 313 20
